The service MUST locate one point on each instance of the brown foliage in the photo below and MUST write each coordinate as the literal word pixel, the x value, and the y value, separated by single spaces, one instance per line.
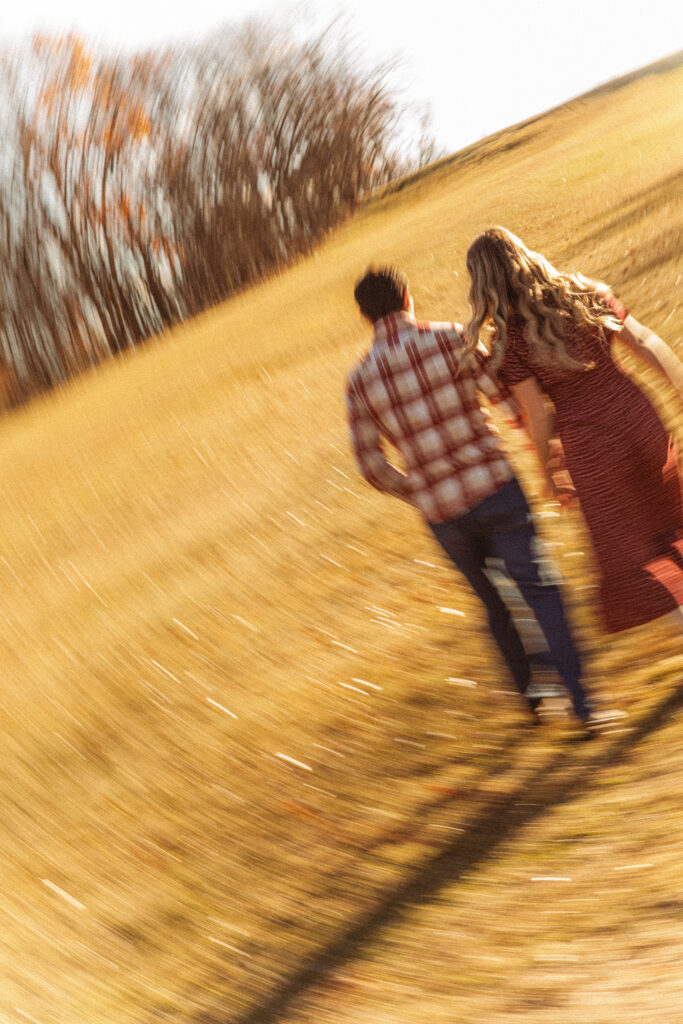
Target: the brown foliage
pixel 137 191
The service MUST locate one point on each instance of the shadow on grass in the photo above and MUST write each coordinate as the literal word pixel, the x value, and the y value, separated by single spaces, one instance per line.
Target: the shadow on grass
pixel 495 820
pixel 636 209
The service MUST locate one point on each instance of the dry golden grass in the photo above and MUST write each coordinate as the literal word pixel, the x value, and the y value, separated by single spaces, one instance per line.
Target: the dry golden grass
pixel 237 784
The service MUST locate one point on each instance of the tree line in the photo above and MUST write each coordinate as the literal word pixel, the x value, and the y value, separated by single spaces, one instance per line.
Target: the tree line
pixel 137 190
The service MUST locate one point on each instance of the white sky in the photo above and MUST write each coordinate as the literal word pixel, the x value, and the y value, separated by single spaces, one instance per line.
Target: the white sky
pixel 480 64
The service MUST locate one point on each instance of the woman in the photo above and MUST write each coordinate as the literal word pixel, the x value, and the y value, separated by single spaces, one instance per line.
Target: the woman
pixel 553 334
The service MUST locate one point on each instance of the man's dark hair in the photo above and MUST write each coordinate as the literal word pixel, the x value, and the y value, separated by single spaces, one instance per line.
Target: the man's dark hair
pixel 380 292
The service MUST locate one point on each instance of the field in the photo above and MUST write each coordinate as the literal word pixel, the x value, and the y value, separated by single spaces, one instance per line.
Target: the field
pixel 254 768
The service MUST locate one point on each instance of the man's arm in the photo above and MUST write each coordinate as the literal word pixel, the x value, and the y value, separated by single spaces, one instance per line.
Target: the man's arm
pixel 366 443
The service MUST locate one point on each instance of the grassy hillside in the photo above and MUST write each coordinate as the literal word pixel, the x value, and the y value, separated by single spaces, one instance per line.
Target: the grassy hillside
pixel 254 767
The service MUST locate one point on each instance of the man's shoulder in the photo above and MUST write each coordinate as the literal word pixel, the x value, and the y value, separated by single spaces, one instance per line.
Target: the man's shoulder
pixel 448 330
pixel 356 372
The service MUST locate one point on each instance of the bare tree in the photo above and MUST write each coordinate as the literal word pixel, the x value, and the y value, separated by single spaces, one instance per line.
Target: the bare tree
pixel 135 192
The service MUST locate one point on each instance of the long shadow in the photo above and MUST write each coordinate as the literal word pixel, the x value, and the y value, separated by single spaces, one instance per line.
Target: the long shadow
pixel 635 208
pixel 495 821
pixel 446 795
pixel 657 260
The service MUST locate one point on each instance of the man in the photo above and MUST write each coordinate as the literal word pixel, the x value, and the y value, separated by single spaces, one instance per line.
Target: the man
pixel 417 388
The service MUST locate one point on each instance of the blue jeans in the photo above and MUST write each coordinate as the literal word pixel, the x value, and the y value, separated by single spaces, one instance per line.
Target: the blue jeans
pixel 501 527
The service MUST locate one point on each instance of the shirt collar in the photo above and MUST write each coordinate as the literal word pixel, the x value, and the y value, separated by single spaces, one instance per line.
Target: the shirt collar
pixel 390 327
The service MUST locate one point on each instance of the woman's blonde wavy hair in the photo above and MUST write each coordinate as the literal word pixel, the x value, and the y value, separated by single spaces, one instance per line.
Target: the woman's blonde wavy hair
pixel 506 278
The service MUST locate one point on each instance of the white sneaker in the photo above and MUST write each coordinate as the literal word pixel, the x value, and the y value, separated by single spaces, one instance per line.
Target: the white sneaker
pixel 600 720
pixel 607 715
pixel 540 689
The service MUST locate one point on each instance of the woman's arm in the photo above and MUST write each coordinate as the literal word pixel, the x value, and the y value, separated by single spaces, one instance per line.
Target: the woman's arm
pixel 650 349
pixel 538 421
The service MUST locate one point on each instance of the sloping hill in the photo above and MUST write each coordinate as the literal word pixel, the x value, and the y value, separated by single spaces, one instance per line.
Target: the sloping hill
pixel 254 769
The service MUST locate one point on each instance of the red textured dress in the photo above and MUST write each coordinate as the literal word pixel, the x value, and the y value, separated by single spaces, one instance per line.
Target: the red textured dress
pixel 624 467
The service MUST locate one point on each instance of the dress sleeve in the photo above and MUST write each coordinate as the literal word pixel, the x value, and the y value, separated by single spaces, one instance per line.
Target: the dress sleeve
pixel 617 307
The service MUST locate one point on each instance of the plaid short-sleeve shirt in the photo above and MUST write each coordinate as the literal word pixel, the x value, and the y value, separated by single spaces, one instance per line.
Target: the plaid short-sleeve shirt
pixel 416 390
